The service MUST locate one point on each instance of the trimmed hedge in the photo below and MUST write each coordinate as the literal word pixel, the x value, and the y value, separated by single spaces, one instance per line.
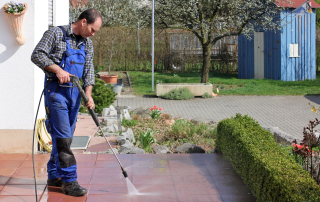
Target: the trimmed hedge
pixel 267 170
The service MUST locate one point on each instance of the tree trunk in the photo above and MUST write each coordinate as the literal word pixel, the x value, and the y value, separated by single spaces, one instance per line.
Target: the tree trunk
pixel 206 63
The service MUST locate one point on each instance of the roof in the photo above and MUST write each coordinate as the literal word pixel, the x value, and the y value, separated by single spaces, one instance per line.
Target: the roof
pixel 295 3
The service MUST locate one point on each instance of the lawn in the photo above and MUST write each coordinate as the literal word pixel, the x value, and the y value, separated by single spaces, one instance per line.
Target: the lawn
pixel 228 84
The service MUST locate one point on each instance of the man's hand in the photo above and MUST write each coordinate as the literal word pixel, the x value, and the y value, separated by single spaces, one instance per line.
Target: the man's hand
pixel 90 103
pixel 63 76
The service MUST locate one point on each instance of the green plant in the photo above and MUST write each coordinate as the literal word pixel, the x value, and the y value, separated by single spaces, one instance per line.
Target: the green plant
pixel 206 95
pixel 145 139
pixel 268 171
pixel 179 94
pixel 102 95
pixel 155 112
pixel 15 7
pixel 128 123
pixel 208 83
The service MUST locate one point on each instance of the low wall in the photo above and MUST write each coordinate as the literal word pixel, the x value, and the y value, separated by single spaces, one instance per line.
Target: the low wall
pixel 198 89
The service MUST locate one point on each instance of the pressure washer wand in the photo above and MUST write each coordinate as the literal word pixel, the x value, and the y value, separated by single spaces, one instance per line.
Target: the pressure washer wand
pixel 75 80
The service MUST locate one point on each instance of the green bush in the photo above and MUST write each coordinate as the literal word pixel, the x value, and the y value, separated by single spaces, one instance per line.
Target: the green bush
pixel 179 94
pixel 144 140
pixel 269 172
pixel 206 95
pixel 102 95
pixel 128 123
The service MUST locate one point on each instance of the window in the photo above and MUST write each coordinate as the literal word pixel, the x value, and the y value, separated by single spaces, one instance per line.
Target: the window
pixel 294 50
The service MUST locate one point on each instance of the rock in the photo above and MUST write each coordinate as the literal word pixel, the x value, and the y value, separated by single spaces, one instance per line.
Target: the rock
pixel 136 150
pixel 129 135
pixel 189 148
pixel 105 112
pixel 110 120
pixel 279 136
pixel 169 122
pixel 160 149
pixel 126 114
pixel 126 148
pixel 112 113
pixel 143 112
pixel 111 134
pixel 111 107
pixel 109 151
pixel 112 129
pixel 121 140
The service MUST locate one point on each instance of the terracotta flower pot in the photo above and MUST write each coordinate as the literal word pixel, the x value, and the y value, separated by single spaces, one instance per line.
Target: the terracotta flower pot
pixel 15 21
pixel 109 79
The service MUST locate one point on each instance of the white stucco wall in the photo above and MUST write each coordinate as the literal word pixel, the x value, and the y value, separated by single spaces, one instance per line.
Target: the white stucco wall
pixel 21 82
pixel 61 12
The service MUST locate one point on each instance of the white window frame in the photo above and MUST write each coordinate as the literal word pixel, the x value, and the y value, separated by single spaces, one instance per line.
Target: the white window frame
pixel 294 50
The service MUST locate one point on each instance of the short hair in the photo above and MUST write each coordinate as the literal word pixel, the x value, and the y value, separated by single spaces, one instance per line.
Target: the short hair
pixel 90 15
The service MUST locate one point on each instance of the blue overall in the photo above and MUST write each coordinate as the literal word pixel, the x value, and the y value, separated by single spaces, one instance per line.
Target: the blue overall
pixel 62 105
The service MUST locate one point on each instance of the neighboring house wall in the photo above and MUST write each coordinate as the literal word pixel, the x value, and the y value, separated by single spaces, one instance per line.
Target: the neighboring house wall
pixel 20 80
pixel 278 64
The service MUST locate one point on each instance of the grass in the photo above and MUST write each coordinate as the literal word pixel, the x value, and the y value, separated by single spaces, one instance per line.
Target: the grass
pixel 228 84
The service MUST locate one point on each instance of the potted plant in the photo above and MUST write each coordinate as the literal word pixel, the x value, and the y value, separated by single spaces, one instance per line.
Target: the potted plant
pixel 110 78
pixel 14 13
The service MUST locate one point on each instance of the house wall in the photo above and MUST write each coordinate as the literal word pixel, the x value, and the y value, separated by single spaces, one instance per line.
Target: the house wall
pixel 301 30
pixel 20 80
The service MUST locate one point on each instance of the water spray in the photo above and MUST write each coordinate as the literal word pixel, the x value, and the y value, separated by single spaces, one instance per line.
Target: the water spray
pixel 75 80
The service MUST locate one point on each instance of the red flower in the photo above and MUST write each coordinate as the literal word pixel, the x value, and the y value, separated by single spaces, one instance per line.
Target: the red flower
pixel 294 145
pixel 160 108
pixel 163 114
pixel 155 106
pixel 151 109
pixel 299 146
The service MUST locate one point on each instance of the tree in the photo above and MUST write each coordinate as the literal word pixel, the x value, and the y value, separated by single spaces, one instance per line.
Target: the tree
pixel 212 20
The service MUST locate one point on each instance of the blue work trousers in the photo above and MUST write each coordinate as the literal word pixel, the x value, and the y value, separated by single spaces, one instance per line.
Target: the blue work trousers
pixel 62 106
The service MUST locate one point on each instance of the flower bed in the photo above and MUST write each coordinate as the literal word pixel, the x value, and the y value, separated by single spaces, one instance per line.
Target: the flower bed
pixel 267 170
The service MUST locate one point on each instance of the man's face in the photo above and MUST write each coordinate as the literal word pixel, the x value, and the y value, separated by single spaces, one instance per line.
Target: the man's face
pixel 88 30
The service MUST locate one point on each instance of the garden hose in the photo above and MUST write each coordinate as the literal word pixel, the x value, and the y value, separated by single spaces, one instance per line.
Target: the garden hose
pixel 39 125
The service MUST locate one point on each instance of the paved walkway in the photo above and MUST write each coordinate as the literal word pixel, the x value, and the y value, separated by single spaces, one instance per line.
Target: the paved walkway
pixel 289 113
pixel 158 178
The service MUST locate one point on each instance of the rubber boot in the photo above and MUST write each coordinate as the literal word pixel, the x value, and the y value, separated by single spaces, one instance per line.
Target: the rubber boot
pixel 54 182
pixel 73 189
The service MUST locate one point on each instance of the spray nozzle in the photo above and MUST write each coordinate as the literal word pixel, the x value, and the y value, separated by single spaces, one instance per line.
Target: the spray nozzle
pixel 124 172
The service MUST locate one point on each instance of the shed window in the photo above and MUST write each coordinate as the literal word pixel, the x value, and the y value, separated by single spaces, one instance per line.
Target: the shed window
pixel 294 50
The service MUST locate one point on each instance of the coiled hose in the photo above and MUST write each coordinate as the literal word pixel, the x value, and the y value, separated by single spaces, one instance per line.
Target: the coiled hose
pixel 39 125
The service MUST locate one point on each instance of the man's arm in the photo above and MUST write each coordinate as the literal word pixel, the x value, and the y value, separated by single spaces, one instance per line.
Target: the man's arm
pixel 62 75
pixel 88 91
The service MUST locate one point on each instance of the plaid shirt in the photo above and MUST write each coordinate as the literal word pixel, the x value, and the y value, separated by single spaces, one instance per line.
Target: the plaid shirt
pixel 50 51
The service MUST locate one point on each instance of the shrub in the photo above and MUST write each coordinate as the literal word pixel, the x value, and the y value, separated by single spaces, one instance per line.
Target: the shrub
pixel 179 94
pixel 268 170
pixel 145 139
pixel 102 95
pixel 128 123
pixel 206 95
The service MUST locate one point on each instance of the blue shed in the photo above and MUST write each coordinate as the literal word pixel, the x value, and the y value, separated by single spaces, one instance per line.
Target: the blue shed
pixel 289 55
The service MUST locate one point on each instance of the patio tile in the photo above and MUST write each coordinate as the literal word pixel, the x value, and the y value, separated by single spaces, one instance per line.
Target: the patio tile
pixel 37 164
pixel 16 179
pixel 238 198
pixel 184 157
pixel 154 198
pixel 29 171
pixel 85 171
pixel 149 157
pixel 225 189
pixel 108 189
pixel 150 171
pixel 62 198
pixel 7 171
pixel 152 179
pixel 18 198
pixel 1 187
pixel 151 164
pixel 13 157
pixel 196 188
pixel 10 164
pixel 156 189
pixel 84 179
pixel 109 198
pixel 111 172
pixel 111 157
pixel 186 163
pixel 86 164
pixel 22 190
pixel 97 179
pixel 216 170
pixel 191 179
pixel 113 164
pixel 85 157
pixel 39 157
pixel 227 179
pixel 198 170
pixel 202 198
pixel 4 179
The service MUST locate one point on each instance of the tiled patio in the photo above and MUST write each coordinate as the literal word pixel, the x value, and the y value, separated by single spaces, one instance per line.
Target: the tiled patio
pixel 171 177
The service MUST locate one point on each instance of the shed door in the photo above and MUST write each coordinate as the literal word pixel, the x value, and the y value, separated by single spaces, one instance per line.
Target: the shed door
pixel 259 55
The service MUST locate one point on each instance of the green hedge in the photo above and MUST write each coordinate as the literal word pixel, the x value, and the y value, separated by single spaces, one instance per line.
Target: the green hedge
pixel 267 170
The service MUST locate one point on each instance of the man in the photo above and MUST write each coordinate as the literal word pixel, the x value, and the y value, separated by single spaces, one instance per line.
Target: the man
pixel 65 51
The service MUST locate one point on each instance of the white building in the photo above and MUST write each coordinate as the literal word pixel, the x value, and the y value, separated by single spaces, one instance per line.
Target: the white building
pixel 21 82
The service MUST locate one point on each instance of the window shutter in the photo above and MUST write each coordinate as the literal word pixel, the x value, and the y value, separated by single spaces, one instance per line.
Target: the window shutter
pixel 50 13
pixel 294 50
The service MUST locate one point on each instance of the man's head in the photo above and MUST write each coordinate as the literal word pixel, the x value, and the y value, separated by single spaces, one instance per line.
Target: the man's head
pixel 89 22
